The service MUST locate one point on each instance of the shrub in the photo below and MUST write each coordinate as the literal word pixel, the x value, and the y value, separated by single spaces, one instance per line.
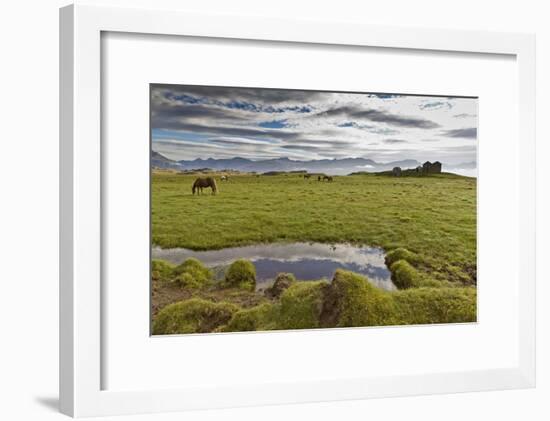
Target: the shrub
pixel 261 317
pixel 436 305
pixel 241 274
pixel 401 254
pixel 353 301
pixel 192 316
pixel 301 305
pixel 192 274
pixel 282 282
pixel 404 275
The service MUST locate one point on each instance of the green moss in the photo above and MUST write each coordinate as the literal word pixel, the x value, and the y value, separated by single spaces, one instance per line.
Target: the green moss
pixel 301 305
pixel 261 317
pixel 404 275
pixel 192 274
pixel 436 305
pixel 401 254
pixel 241 274
pixel 193 316
pixel 353 301
pixel 161 269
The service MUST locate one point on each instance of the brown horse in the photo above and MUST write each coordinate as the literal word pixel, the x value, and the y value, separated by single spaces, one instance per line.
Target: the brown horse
pixel 328 178
pixel 200 183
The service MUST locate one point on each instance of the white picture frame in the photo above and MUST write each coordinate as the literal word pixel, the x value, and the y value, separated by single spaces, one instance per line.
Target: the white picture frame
pixel 81 319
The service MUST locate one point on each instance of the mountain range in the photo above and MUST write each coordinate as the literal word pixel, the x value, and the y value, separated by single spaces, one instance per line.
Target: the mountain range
pixel 329 166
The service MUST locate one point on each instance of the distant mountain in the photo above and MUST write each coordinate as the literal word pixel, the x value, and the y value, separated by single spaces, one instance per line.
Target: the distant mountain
pixel 160 161
pixel 329 166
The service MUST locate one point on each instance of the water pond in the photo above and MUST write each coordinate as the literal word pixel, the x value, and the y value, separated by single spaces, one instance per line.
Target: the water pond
pixel 307 261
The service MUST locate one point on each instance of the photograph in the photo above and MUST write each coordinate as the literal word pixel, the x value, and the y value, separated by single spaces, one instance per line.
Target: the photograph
pixel 283 209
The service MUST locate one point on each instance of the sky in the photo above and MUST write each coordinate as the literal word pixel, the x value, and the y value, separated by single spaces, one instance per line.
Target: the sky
pixel 190 122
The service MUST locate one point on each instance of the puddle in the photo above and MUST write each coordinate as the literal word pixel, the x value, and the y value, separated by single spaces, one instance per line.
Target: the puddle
pixel 307 261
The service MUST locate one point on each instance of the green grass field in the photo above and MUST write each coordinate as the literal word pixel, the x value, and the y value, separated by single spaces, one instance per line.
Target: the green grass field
pixel 426 224
pixel 432 216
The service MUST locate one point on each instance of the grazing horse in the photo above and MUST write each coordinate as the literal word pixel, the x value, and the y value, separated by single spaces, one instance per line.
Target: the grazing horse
pixel 306 176
pixel 327 177
pixel 200 183
pixel 224 178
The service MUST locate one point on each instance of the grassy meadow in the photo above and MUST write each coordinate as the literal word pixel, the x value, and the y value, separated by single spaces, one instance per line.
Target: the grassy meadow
pixel 426 224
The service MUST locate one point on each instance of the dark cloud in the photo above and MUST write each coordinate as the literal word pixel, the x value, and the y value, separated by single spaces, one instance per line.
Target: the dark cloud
pixel 464 115
pixel 239 142
pixel 300 147
pixel 179 125
pixel 328 142
pixel 435 105
pixel 379 116
pixel 467 133
pixel 368 127
pixel 385 96
pixel 163 114
pixel 394 141
pixel 264 96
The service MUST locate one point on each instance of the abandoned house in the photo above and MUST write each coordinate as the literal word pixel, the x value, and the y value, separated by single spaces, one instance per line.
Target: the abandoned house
pixel 431 168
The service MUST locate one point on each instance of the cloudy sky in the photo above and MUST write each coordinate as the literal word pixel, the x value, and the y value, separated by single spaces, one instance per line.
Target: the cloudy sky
pixel 190 122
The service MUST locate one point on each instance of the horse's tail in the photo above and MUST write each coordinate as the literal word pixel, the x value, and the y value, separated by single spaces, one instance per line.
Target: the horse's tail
pixel 214 186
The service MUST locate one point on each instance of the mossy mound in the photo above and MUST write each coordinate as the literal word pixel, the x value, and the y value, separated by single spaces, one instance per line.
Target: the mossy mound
pixel 401 254
pixel 404 275
pixel 436 305
pixel 241 274
pixel 193 316
pixel 352 301
pixel 192 274
pixel 282 282
pixel 261 317
pixel 301 305
pixel 161 270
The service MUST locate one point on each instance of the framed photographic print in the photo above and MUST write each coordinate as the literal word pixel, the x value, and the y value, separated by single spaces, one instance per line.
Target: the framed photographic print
pixel 320 203
pixel 297 229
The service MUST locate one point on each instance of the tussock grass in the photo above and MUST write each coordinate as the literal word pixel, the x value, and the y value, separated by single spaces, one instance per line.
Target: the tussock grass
pixel 260 317
pixel 401 253
pixel 193 316
pixel 301 305
pixel 241 274
pixel 161 270
pixel 404 275
pixel 435 305
pixel 349 301
pixel 353 301
pixel 192 274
